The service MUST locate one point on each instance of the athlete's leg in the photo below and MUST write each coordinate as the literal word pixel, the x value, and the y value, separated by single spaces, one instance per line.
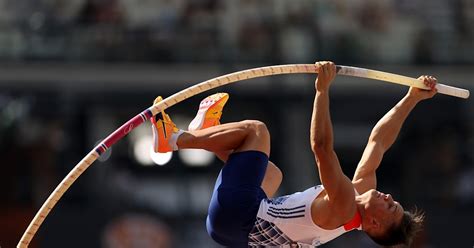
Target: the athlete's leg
pixel 241 136
pixel 272 180
pixel 221 139
pixel 245 146
pixel 249 135
pixel 208 115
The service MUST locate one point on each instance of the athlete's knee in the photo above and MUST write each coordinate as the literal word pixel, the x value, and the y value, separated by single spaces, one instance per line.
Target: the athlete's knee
pixel 256 127
pixel 257 137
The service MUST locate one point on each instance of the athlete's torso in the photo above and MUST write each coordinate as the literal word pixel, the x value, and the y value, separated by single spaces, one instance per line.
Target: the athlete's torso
pixel 287 221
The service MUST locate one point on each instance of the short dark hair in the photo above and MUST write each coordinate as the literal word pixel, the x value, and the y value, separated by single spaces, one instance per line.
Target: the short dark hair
pixel 403 233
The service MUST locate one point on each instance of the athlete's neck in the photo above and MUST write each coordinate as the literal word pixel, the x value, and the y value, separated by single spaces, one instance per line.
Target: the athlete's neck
pixel 361 202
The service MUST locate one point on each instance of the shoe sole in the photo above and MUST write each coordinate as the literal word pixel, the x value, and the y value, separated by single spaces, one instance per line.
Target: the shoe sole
pixel 207 104
pixel 155 138
pixel 154 129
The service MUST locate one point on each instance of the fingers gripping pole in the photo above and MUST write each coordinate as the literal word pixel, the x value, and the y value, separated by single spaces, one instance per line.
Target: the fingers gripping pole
pixel 194 90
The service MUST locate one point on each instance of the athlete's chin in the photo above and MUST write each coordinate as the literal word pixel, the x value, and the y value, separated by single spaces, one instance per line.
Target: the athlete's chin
pixel 376 196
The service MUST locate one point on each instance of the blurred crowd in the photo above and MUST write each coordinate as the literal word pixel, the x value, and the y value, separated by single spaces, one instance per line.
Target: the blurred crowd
pixel 45 130
pixel 226 31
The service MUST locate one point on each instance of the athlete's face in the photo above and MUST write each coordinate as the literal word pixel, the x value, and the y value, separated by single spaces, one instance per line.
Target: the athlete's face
pixel 382 211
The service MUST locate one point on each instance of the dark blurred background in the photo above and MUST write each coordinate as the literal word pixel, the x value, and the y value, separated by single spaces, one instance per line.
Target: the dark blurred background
pixel 72 71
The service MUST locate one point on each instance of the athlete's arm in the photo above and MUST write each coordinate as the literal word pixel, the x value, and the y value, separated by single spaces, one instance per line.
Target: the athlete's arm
pixel 385 133
pixel 338 187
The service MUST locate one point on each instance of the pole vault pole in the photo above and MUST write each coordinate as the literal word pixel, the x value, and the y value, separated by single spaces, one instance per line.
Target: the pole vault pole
pixel 194 90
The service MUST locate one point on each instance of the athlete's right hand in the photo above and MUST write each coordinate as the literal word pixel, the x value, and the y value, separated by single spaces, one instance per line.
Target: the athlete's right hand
pixel 326 74
pixel 421 94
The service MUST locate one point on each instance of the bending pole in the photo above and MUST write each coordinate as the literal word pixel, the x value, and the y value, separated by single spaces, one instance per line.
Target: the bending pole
pixel 194 90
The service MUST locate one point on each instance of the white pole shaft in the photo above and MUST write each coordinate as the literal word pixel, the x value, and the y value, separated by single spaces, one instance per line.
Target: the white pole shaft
pixel 399 79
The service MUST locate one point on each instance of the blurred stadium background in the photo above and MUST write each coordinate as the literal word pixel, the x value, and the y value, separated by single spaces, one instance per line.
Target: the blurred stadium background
pixel 73 71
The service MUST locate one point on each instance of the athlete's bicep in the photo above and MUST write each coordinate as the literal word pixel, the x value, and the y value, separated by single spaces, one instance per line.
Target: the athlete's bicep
pixel 365 175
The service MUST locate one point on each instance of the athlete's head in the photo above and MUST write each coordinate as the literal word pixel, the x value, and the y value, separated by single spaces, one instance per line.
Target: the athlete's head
pixel 386 222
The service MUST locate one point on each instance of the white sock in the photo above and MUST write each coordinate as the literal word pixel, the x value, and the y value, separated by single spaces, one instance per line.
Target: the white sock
pixel 174 139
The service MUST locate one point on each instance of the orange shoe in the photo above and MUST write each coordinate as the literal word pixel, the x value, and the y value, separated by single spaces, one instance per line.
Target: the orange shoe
pixel 210 112
pixel 163 130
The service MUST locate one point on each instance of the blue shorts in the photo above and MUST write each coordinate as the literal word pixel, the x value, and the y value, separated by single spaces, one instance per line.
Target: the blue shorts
pixel 236 198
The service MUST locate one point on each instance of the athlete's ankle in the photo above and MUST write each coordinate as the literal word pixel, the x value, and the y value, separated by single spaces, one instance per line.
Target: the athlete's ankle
pixel 173 141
